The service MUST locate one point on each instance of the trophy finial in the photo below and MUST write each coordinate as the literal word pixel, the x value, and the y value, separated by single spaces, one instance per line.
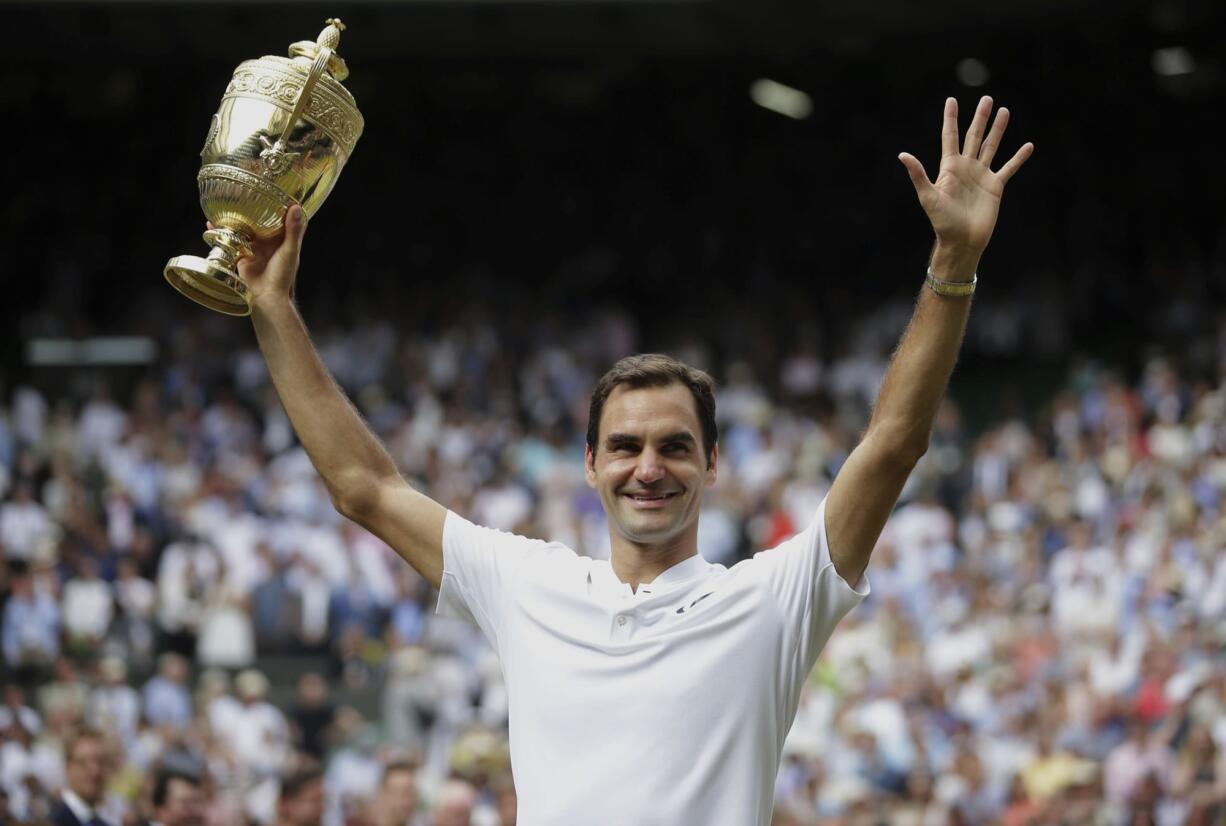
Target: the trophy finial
pixel 330 37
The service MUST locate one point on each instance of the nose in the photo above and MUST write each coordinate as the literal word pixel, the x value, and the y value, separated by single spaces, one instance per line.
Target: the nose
pixel 649 469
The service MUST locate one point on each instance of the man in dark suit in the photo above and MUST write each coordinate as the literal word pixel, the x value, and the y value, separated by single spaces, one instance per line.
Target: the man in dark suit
pixel 87 767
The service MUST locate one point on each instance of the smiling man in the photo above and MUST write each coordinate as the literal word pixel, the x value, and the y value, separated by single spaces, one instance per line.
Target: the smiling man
pixel 655 689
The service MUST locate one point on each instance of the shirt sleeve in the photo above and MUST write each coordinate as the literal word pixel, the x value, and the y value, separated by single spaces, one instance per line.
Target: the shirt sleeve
pixel 480 568
pixel 810 594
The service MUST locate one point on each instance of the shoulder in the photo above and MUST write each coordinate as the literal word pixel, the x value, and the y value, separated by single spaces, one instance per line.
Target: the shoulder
pixel 459 533
pixel 61 815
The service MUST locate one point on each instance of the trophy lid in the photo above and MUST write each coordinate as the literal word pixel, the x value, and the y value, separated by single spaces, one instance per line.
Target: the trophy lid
pixel 329 39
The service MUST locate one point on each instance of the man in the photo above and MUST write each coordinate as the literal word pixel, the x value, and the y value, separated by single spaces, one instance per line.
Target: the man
pixel 259 736
pixel 301 800
pixel 397 801
pixel 30 630
pixel 87 768
pixel 655 688
pixel 178 799
pixel 167 697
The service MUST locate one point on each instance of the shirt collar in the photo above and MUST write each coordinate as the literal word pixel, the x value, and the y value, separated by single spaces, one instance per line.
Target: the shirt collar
pixel 686 569
pixel 80 809
pixel 689 568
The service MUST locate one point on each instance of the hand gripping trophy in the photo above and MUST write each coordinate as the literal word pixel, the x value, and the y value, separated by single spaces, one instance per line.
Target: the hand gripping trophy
pixel 283 132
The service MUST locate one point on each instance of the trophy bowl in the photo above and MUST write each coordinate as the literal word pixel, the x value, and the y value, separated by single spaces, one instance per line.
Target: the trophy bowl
pixel 282 134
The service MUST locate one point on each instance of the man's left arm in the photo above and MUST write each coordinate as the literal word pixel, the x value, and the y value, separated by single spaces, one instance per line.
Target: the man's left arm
pixel 962 205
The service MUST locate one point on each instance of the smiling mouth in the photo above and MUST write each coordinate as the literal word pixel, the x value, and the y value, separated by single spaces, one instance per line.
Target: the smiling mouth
pixel 650 498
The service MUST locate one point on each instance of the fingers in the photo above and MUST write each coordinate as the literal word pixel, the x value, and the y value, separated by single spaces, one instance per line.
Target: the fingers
pixel 1015 163
pixel 949 131
pixel 992 143
pixel 974 135
pixel 919 178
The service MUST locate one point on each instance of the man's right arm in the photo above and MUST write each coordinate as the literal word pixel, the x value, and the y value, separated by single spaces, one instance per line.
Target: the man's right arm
pixel 361 477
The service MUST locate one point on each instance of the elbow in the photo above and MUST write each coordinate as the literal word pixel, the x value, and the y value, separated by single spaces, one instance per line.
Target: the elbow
pixel 901 447
pixel 911 452
pixel 354 500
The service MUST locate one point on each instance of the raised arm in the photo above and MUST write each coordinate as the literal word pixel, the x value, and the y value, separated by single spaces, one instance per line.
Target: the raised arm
pixel 962 206
pixel 360 475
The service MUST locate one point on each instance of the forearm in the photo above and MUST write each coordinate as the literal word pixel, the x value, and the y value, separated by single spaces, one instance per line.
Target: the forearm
pixel 920 369
pixel 347 455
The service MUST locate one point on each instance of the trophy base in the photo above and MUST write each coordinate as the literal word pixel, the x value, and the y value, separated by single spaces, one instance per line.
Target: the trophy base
pixel 209 284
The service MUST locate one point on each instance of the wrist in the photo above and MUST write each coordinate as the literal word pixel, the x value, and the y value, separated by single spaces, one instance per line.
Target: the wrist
pixel 272 302
pixel 952 262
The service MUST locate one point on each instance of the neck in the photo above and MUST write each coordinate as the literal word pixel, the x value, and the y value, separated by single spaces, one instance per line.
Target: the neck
pixel 638 562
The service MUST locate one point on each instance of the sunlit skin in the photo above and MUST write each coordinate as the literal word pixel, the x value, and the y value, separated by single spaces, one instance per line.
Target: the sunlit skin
pixel 651 471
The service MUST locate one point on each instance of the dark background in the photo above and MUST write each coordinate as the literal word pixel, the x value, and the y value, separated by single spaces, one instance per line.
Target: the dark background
pixel 538 160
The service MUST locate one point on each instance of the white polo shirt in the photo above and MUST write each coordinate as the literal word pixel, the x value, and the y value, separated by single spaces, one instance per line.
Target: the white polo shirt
pixel 665 707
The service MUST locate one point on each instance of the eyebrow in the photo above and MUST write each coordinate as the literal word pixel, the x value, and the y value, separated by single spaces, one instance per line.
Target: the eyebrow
pixel 615 440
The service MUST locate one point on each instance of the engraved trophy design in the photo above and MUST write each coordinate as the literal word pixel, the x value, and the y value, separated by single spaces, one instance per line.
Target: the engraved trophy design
pixel 283 132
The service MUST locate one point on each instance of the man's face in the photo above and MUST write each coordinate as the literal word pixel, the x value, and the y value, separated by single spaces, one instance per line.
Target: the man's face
pixel 649 466
pixel 398 800
pixel 307 807
pixel 184 804
pixel 87 769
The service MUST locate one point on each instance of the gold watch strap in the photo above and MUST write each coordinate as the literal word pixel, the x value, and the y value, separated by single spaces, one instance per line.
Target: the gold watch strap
pixel 957 289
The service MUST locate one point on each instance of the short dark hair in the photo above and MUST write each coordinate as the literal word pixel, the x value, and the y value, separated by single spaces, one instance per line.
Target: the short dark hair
pixel 161 782
pixel 656 370
pixel 298 779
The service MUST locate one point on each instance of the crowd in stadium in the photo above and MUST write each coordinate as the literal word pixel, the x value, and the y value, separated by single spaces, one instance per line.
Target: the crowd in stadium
pixel 191 634
pixel 1042 642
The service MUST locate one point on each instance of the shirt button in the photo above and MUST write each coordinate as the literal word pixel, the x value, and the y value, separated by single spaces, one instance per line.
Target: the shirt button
pixel 621 620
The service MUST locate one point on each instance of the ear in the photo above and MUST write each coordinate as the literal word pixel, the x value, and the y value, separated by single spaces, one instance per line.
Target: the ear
pixel 711 465
pixel 589 466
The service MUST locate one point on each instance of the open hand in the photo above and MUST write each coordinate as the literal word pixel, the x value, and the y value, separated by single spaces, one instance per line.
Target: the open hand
pixel 271 268
pixel 963 202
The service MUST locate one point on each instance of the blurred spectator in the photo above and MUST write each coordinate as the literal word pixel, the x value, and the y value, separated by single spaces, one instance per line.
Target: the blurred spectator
pixel 114 706
pixel 167 698
pixel 24 524
pixel 301 799
pixel 178 799
pixel 31 626
pixel 454 807
pixel 30 769
pixel 89 765
pixel 312 715
pixel 188 572
pixel 396 804
pixel 258 733
pixel 87 605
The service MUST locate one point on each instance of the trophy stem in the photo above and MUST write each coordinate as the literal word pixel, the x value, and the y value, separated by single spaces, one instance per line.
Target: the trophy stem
pixel 228 246
pixel 214 281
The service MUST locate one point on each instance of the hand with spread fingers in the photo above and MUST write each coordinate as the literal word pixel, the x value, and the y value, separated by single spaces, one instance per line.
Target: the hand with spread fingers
pixel 963 202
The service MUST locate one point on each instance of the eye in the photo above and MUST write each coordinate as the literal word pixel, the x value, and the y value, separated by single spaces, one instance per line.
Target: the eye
pixel 676 447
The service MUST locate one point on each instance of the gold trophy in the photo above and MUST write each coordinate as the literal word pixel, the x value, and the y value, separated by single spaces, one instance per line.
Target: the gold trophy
pixel 283 132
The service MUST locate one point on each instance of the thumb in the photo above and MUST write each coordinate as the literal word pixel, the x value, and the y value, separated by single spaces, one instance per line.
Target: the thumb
pixel 295 228
pixel 915 169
